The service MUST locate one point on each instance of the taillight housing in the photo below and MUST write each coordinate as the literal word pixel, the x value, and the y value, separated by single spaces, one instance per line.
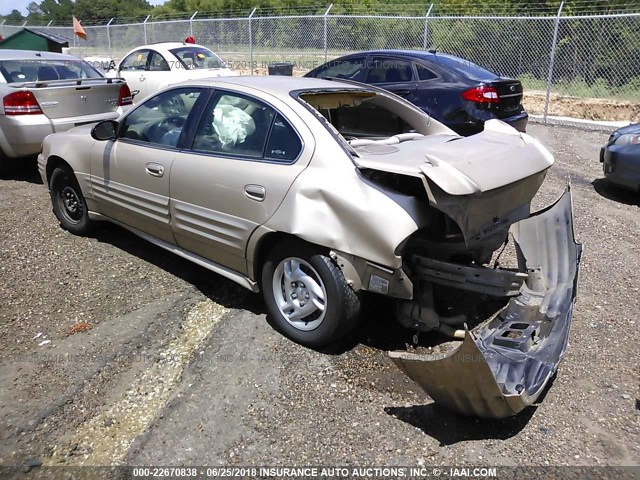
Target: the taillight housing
pixel 124 96
pixel 22 102
pixel 481 94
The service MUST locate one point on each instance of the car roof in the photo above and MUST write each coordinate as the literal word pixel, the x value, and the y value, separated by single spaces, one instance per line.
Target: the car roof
pixel 278 85
pixel 415 54
pixel 10 54
pixel 169 45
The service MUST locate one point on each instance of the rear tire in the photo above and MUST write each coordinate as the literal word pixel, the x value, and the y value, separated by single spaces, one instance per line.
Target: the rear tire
pixel 69 205
pixel 307 295
pixel 4 164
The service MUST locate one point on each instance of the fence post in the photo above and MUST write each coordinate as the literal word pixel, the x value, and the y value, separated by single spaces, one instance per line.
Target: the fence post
pixel 191 23
pixel 426 27
pixel 251 40
pixel 552 58
pixel 109 38
pixel 144 27
pixel 48 24
pixel 325 31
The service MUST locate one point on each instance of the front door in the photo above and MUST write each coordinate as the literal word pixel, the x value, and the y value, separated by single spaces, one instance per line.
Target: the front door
pixel 130 176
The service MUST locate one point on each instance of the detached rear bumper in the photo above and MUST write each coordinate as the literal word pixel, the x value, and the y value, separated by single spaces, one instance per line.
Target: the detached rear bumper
pixel 505 365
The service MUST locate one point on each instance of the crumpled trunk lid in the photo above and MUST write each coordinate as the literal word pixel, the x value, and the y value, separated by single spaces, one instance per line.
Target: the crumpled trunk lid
pixel 484 182
pixel 498 156
pixel 506 364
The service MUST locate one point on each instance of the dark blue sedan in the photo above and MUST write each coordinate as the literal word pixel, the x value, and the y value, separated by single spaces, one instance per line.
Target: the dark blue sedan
pixel 621 157
pixel 454 91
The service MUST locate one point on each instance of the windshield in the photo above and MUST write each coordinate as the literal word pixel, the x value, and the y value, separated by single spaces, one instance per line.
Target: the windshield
pixel 466 68
pixel 43 70
pixel 193 58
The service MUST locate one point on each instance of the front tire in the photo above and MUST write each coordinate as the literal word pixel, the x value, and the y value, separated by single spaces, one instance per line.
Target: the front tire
pixel 69 205
pixel 307 295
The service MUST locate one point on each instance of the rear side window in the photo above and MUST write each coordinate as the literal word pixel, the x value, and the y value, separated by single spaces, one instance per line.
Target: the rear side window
pixel 354 69
pixel 234 125
pixel 284 144
pixel 388 70
pixel 43 70
pixel 424 73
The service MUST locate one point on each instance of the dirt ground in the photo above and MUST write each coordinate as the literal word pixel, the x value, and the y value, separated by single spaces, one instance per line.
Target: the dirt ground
pixel 584 108
pixel 115 352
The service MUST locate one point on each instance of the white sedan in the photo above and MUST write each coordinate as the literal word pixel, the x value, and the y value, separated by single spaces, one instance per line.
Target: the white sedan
pixel 149 68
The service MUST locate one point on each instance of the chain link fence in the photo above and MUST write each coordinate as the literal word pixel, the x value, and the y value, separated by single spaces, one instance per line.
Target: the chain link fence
pixel 585 61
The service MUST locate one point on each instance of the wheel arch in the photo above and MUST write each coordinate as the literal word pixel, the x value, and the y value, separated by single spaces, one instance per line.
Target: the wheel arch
pixel 54 162
pixel 260 247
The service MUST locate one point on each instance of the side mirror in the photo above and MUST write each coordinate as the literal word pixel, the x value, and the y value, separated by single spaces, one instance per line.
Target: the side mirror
pixel 105 130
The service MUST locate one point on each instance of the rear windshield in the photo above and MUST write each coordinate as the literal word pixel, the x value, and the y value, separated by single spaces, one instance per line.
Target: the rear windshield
pixel 466 68
pixel 193 58
pixel 43 70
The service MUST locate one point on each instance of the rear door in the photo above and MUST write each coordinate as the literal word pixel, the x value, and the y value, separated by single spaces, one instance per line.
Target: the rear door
pixel 244 157
pixel 395 75
pixel 437 93
pixel 130 176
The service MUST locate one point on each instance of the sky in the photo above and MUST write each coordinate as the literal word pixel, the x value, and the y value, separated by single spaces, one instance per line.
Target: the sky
pixel 7 6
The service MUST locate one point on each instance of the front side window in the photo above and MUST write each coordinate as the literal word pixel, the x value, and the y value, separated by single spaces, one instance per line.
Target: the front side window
pixel 354 69
pixel 388 70
pixel 136 61
pixel 160 120
pixel 193 58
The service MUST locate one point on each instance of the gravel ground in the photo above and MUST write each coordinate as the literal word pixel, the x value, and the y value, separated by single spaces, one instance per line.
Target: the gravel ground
pixel 116 352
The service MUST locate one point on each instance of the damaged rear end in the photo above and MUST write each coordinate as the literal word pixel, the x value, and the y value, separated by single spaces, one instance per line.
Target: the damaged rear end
pixel 469 196
pixel 504 365
pixel 479 189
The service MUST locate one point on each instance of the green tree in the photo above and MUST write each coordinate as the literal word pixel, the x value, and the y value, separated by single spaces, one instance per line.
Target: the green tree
pixel 97 11
pixel 14 18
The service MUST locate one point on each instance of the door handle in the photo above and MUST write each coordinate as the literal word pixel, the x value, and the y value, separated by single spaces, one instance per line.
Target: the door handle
pixel 401 92
pixel 155 169
pixel 255 192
